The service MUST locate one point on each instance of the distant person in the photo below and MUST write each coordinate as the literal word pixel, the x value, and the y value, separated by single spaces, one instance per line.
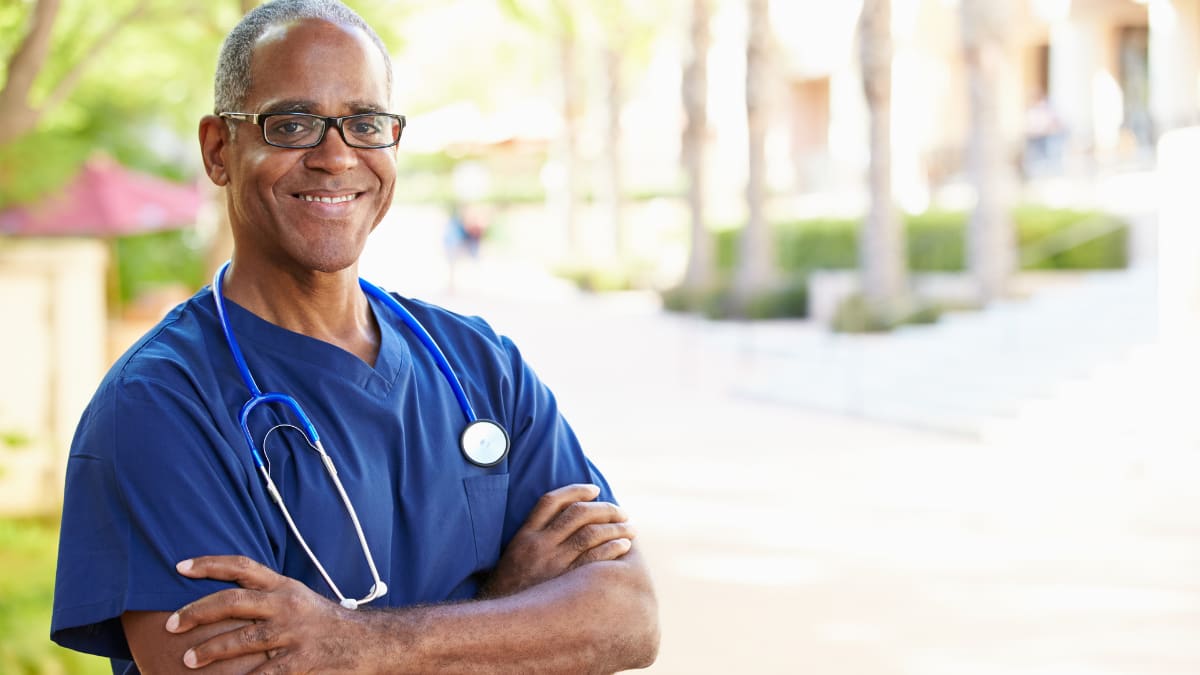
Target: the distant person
pixel 1045 137
pixel 291 444
pixel 465 229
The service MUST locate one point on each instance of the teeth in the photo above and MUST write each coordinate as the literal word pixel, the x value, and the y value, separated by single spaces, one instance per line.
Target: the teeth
pixel 328 200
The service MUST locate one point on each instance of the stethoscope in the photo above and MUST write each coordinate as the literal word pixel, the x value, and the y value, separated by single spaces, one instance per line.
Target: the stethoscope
pixel 483 442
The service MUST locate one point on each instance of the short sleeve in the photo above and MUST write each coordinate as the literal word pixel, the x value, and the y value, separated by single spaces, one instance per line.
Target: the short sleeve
pixel 151 481
pixel 545 452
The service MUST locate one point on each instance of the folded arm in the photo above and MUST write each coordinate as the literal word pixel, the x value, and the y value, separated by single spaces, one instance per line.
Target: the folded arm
pixel 570 594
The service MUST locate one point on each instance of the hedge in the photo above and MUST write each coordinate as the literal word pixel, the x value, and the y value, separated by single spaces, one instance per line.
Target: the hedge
pixel 1047 239
pixel 936 242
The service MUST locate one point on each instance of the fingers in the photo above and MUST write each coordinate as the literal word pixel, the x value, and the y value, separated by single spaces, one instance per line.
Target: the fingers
pixel 233 603
pixel 551 503
pixel 579 515
pixel 241 570
pixel 247 602
pixel 609 550
pixel 254 638
pixel 590 536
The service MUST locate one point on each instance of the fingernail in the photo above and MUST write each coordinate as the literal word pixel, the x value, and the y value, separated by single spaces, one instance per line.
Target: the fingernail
pixel 184 565
pixel 173 623
pixel 189 659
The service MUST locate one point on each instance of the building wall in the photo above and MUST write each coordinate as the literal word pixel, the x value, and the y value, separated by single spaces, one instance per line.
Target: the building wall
pixel 1117 73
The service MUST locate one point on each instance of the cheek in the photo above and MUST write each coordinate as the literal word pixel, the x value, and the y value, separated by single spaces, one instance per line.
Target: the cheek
pixel 385 171
pixel 266 168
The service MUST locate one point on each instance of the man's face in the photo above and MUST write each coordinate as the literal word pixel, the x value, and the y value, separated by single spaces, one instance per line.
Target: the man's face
pixel 279 197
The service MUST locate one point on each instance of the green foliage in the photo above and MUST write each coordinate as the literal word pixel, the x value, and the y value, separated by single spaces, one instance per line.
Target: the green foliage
pixel 28 550
pixel 857 314
pixel 138 109
pixel 1107 249
pixel 147 261
pixel 788 298
pixel 936 241
pixel 139 99
pixel 607 278
pixel 14 439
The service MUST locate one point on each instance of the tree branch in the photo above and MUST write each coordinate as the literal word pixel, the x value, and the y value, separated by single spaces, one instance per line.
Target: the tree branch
pixel 24 65
pixel 69 81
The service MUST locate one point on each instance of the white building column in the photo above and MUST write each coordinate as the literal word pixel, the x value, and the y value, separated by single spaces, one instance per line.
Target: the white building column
pixel 1074 52
pixel 1178 233
pixel 1174 63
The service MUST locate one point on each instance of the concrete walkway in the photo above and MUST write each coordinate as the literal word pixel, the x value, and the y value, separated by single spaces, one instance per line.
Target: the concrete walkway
pixel 790 537
pixel 787 540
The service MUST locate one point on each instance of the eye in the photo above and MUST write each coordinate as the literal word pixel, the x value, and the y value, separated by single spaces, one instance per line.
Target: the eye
pixel 283 127
pixel 368 126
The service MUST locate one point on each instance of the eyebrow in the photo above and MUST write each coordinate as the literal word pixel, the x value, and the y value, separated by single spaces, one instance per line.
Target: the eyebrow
pixel 308 106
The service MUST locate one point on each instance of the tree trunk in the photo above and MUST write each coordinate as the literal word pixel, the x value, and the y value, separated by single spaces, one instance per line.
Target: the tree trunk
pixel 23 68
pixel 27 61
pixel 695 106
pixel 991 241
pixel 882 263
pixel 572 110
pixel 755 264
pixel 612 147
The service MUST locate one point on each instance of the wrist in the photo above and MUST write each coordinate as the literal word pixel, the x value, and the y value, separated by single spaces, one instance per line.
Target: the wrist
pixel 385 639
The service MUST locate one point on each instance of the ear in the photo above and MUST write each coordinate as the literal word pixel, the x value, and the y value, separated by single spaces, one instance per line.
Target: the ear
pixel 214 139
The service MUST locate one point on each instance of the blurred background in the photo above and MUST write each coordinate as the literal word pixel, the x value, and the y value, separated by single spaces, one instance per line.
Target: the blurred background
pixel 879 315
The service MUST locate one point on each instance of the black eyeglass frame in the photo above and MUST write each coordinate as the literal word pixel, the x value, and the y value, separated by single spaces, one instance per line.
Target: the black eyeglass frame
pixel 261 118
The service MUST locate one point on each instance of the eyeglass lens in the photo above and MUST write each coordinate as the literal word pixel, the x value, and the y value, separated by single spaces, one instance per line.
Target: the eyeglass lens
pixel 369 131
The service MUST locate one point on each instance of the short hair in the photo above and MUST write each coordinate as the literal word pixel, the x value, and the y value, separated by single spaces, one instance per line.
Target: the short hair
pixel 233 64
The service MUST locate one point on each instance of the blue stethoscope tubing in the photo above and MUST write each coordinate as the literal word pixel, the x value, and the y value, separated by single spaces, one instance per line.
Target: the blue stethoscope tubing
pixel 482 442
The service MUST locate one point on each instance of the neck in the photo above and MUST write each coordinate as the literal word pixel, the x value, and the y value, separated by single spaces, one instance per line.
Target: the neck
pixel 330 307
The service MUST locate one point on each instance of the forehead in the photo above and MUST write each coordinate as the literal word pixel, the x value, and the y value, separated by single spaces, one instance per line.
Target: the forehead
pixel 333 66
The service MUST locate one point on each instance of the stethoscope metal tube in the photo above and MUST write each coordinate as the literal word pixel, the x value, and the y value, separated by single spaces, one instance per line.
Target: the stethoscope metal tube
pixel 257 397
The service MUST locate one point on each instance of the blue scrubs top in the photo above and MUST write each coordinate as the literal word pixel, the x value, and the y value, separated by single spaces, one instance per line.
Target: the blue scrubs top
pixel 159 470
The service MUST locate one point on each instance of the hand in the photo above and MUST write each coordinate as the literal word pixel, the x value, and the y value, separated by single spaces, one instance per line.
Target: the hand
pixel 298 629
pixel 564 530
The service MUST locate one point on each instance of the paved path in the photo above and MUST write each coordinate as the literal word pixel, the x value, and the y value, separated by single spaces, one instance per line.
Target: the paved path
pixel 790 541
pixel 786 540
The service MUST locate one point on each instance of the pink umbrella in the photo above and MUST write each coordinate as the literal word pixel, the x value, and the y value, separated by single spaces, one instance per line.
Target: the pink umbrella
pixel 105 200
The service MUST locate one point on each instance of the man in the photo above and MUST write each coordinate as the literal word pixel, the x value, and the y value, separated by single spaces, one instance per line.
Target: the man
pixel 174 552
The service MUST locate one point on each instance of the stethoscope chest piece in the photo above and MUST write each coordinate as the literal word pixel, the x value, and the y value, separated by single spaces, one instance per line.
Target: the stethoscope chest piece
pixel 484 443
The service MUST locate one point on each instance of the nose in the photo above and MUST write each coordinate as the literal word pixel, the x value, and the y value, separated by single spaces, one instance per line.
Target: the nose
pixel 332 155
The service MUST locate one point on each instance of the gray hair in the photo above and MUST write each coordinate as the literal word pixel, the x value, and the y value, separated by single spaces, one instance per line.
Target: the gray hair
pixel 233 65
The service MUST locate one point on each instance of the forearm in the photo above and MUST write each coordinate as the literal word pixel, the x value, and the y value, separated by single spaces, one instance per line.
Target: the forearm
pixel 157 651
pixel 598 618
pixel 596 613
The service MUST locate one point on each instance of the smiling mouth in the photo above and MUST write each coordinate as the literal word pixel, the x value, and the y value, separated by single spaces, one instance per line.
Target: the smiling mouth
pixel 329 200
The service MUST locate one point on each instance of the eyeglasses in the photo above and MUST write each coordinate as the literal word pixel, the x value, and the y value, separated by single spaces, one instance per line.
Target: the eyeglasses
pixel 302 130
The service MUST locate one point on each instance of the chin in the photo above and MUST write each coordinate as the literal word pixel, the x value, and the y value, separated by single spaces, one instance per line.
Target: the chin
pixel 333 252
pixel 328 261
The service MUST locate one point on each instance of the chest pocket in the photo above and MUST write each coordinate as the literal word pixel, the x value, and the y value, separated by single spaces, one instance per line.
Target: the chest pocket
pixel 487 499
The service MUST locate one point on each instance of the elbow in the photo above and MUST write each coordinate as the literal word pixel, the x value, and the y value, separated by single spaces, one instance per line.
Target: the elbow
pixel 639 641
pixel 646 635
pixel 646 652
pixel 634 609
